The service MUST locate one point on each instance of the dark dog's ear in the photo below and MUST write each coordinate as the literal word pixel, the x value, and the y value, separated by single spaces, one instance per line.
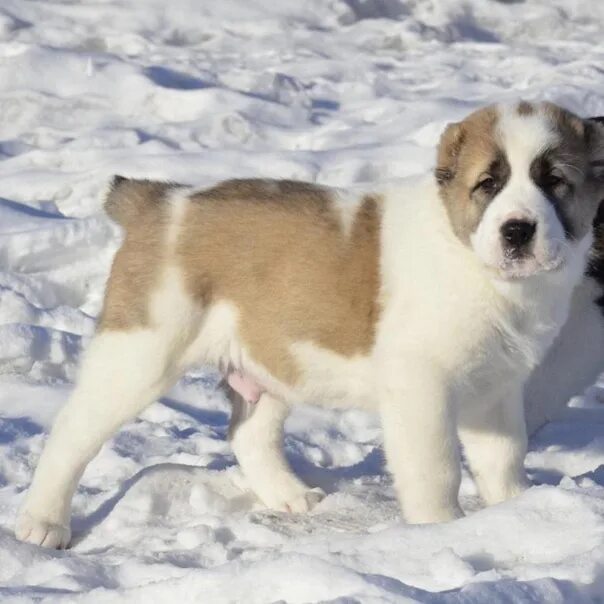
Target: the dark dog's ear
pixel 594 136
pixel 449 147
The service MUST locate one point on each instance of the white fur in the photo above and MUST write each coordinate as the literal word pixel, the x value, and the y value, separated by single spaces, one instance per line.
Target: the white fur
pixel 257 441
pixel 177 201
pixel 333 380
pixel 347 203
pixel 121 374
pixel 454 347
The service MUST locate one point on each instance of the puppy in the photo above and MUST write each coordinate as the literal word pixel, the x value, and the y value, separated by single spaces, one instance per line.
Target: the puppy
pixel 430 302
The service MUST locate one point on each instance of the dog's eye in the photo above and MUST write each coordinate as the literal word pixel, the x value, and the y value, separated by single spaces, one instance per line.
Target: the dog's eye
pixel 554 179
pixel 487 184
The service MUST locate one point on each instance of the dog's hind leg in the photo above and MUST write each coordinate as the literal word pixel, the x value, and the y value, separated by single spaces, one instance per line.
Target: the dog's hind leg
pixel 122 373
pixel 256 435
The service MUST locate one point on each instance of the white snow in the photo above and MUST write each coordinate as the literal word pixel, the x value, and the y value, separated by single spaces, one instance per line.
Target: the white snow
pixel 336 91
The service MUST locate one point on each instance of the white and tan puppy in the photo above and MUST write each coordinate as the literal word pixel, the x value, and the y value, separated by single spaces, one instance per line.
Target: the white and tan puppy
pixel 430 302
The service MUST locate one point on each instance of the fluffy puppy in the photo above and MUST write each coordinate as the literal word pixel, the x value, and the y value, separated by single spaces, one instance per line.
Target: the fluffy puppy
pixel 430 302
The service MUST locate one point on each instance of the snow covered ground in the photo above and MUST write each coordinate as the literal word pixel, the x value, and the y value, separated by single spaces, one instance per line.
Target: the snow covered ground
pixel 334 91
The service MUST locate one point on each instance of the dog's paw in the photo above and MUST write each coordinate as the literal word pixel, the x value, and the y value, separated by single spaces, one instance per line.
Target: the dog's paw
pixel 303 502
pixel 41 532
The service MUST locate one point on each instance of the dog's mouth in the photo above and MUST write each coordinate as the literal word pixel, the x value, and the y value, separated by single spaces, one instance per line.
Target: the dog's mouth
pixel 515 269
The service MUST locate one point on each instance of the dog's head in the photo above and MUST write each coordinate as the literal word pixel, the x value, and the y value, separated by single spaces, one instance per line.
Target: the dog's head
pixel 521 184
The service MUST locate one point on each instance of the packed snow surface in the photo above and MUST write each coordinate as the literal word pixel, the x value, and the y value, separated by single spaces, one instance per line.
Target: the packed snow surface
pixel 334 91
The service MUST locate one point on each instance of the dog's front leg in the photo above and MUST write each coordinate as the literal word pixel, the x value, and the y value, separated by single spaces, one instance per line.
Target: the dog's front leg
pixel 420 441
pixel 494 441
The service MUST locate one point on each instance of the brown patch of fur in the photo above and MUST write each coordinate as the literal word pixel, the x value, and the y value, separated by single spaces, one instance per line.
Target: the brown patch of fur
pixel 567 123
pixel 130 199
pixel 466 150
pixel 138 205
pixel 276 249
pixel 267 190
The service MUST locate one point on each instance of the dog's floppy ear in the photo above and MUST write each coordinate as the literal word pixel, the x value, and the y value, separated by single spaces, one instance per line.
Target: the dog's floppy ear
pixel 594 135
pixel 449 147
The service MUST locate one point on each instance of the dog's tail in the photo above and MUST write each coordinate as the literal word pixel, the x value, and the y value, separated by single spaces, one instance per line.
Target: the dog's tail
pixel 129 199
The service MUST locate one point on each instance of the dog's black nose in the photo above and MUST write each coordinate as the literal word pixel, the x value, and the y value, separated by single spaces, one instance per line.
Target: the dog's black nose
pixel 517 233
